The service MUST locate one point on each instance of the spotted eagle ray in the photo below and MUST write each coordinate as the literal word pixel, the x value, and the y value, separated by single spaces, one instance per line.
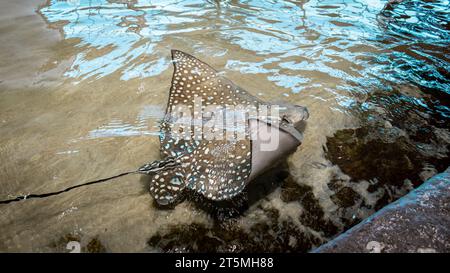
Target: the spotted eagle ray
pixel 190 163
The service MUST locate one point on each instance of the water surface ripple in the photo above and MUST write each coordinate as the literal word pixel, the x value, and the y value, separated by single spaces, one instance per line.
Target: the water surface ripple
pixel 357 43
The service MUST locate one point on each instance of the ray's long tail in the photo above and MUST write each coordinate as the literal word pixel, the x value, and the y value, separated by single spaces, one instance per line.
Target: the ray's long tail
pixel 31 196
pixel 149 168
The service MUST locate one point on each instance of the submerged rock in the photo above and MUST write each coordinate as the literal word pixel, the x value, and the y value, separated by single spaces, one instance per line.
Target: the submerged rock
pixel 70 242
pixel 270 236
pixel 271 233
pixel 404 144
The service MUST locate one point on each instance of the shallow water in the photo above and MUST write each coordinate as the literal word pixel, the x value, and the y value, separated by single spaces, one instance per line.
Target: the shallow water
pixel 83 85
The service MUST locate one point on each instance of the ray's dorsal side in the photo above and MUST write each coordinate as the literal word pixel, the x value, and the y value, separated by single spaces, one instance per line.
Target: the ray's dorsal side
pixel 217 168
pixel 216 175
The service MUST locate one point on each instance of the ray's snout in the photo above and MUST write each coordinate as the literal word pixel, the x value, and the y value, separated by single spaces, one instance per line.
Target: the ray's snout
pixel 293 119
pixel 295 116
pixel 302 112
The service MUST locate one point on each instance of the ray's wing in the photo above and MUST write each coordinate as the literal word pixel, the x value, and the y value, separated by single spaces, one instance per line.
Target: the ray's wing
pixel 221 169
pixel 194 84
pixel 218 169
pixel 194 78
pixel 190 82
pixel 167 186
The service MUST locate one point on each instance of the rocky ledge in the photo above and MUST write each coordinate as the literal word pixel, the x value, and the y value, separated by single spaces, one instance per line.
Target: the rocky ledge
pixel 417 222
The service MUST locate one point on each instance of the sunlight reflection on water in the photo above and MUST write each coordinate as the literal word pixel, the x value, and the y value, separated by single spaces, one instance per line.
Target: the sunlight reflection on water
pixel 359 44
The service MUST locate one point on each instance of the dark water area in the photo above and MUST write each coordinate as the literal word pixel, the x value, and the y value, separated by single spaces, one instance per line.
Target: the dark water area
pixel 419 33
